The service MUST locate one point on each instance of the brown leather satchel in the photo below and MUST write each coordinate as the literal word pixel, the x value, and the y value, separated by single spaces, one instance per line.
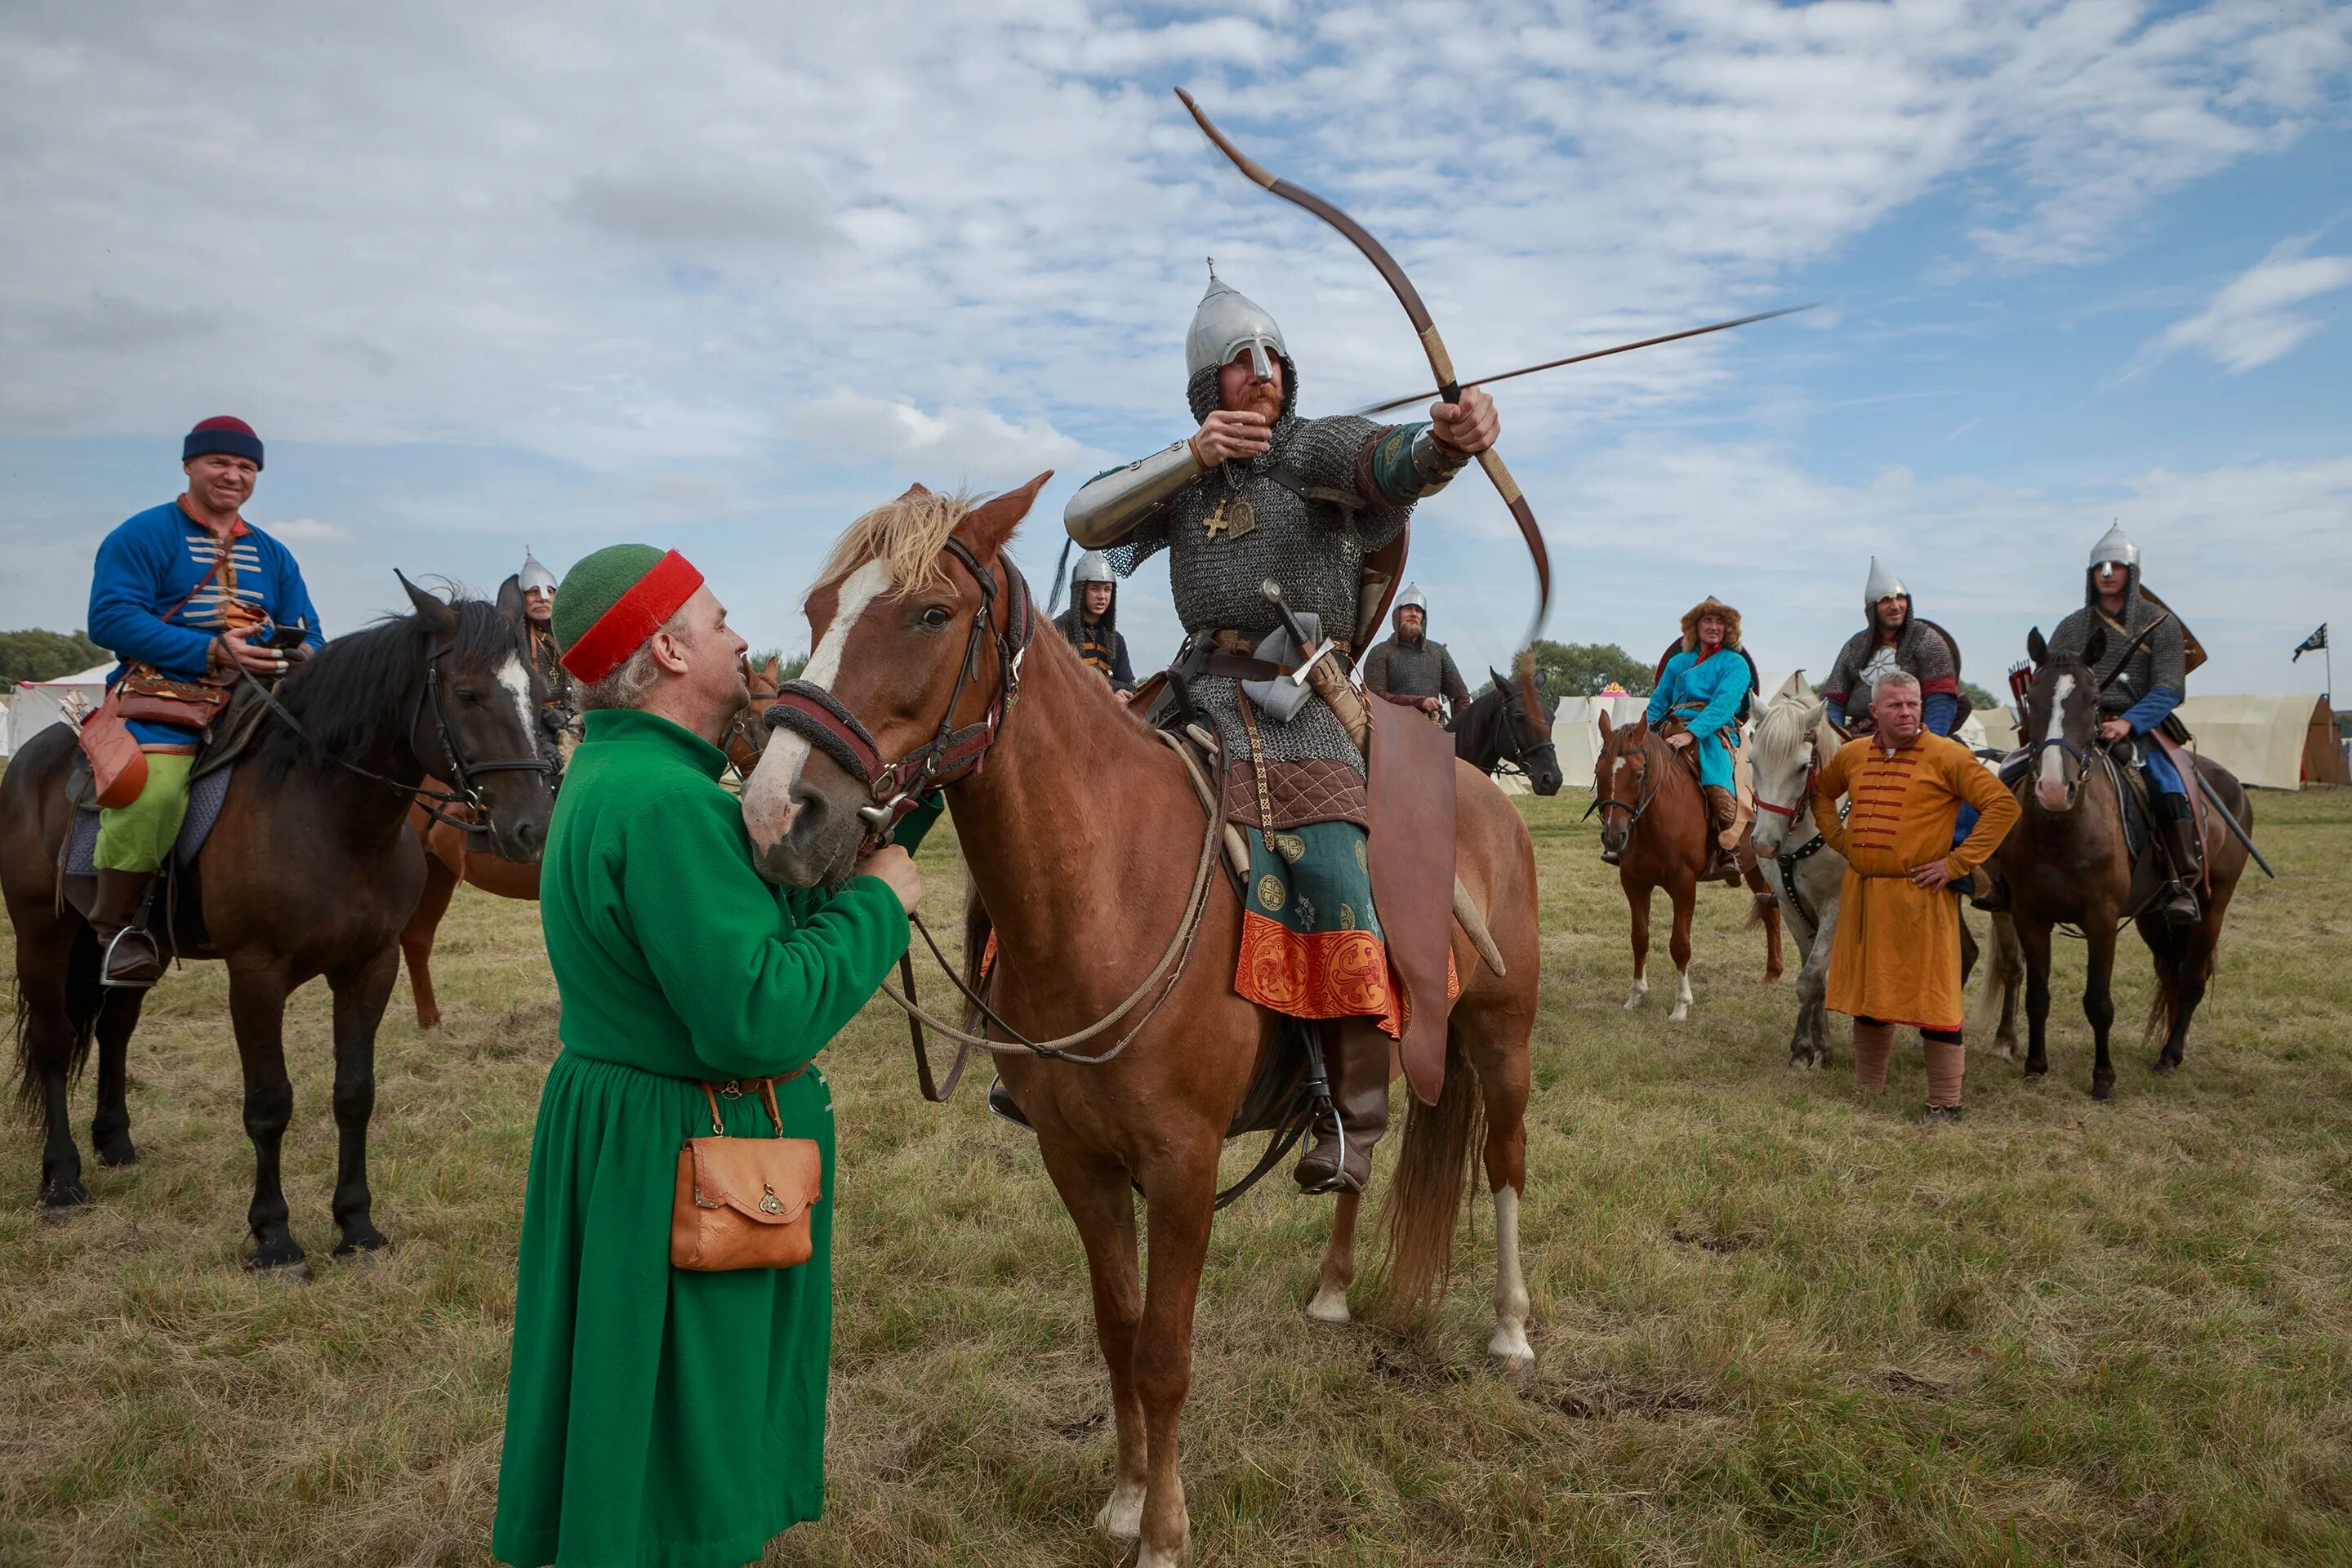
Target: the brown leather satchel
pixel 145 695
pixel 744 1203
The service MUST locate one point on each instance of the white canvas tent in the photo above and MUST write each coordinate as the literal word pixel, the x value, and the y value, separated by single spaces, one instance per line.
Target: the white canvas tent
pixel 1576 732
pixel 36 704
pixel 2260 738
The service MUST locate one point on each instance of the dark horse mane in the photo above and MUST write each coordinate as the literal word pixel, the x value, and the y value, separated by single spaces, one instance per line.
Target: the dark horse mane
pixel 339 692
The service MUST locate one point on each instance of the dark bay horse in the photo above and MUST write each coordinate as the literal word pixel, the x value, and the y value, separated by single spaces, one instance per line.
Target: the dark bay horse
pixel 453 855
pixel 2066 863
pixel 1508 723
pixel 1082 836
pixel 1656 829
pixel 312 869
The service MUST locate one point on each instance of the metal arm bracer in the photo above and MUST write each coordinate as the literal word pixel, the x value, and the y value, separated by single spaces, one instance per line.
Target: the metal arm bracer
pixel 1108 507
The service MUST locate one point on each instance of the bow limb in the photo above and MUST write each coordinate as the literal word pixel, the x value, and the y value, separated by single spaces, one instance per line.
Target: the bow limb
pixel 1441 362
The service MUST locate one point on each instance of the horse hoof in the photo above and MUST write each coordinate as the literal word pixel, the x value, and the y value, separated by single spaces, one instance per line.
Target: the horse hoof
pixel 1121 1518
pixel 279 1256
pixel 2103 1090
pixel 1330 1306
pixel 118 1153
pixel 1512 1353
pixel 1678 1015
pixel 60 1198
pixel 366 1239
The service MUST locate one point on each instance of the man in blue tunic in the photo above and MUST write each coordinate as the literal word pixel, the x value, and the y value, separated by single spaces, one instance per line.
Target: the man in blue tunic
pixel 186 594
pixel 1703 686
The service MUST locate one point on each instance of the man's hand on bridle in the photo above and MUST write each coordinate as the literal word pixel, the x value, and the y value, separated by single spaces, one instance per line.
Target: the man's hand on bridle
pixel 2112 731
pixel 1680 740
pixel 896 868
pixel 1429 704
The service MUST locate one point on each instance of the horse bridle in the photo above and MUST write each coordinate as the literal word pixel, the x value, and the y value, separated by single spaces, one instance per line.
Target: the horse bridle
pixel 1790 859
pixel 894 789
pixel 436 803
pixel 1544 748
pixel 2081 761
pixel 1632 809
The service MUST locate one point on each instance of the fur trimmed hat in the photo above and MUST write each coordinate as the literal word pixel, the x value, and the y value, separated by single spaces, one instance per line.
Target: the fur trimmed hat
pixel 1710 605
pixel 612 601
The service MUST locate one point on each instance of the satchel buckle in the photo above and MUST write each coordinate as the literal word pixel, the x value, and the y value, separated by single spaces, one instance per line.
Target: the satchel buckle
pixel 769 1202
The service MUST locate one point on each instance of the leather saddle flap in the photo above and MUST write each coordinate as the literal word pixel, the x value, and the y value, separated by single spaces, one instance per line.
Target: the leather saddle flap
pixel 1412 863
pixel 769 1180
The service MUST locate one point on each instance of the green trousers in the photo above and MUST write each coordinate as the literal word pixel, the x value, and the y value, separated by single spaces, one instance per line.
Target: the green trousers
pixel 139 836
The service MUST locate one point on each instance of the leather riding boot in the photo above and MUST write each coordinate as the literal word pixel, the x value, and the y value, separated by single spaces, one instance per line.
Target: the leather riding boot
pixel 1726 812
pixel 131 957
pixel 1356 1060
pixel 2179 906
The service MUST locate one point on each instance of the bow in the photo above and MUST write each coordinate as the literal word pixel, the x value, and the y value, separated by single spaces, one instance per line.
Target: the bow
pixel 1441 362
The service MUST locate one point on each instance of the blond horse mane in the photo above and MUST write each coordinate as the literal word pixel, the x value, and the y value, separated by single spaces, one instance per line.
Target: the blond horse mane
pixel 905 534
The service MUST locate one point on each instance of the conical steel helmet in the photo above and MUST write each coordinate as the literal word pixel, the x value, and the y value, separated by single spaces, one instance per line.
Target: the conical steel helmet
pixel 2116 546
pixel 1412 599
pixel 1227 322
pixel 533 576
pixel 1093 567
pixel 1883 585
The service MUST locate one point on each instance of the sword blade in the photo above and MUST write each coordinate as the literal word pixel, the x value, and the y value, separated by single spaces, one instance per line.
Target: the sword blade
pixel 1595 353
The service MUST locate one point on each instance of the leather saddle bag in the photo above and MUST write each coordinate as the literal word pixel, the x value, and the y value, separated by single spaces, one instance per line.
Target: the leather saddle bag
pixel 744 1203
pixel 146 695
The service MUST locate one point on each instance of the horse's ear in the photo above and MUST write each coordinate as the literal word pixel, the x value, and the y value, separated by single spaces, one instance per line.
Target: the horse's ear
pixel 915 490
pixel 434 611
pixel 987 526
pixel 2096 648
pixel 1496 676
pixel 2036 648
pixel 775 670
pixel 1606 728
pixel 1816 714
pixel 510 600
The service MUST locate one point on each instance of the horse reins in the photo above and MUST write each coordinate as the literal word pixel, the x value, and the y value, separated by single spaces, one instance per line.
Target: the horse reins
pixel 432 802
pixel 814 714
pixel 1790 859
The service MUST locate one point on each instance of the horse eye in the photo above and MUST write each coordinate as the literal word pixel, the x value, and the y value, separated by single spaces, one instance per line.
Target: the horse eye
pixel 936 616
pixel 466 695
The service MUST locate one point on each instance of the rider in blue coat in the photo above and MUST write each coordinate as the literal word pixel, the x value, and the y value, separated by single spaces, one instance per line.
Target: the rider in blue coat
pixel 1704 685
pixel 186 594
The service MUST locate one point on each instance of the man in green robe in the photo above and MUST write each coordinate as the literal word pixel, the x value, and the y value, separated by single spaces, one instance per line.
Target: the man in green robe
pixel 658 1415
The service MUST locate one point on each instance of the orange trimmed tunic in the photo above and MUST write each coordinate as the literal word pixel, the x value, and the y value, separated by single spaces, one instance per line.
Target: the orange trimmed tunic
pixel 1897 954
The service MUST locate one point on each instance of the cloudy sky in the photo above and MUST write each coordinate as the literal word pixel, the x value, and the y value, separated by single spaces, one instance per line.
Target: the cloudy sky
pixel 723 277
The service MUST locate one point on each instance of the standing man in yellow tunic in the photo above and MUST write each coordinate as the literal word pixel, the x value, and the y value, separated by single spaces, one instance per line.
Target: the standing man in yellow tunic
pixel 1896 960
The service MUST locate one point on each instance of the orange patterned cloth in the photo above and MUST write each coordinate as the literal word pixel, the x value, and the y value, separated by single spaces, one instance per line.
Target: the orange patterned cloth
pixel 1324 974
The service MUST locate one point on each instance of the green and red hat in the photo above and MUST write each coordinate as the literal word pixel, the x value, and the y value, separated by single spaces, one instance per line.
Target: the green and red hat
pixel 612 601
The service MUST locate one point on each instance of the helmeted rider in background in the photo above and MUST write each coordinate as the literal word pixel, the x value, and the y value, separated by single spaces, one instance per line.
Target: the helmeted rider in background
pixel 1703 684
pixel 2141 679
pixel 538 585
pixel 1091 622
pixel 1406 667
pixel 1258 493
pixel 1893 638
pixel 186 594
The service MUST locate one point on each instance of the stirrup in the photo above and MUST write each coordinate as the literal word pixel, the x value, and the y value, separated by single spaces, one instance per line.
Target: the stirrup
pixel 105 976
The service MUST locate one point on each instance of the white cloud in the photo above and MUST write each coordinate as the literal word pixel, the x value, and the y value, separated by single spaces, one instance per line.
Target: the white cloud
pixel 943 448
pixel 2251 321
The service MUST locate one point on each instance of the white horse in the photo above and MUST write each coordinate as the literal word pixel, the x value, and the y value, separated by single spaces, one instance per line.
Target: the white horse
pixel 1791 741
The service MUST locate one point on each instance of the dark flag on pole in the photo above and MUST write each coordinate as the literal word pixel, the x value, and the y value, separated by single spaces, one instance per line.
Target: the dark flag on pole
pixel 2315 643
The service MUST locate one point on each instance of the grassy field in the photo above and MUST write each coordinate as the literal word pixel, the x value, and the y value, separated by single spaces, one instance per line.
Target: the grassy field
pixel 1773 1324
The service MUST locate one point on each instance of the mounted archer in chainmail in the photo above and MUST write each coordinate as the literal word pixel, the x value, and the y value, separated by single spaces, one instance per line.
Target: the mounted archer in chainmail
pixel 1259 494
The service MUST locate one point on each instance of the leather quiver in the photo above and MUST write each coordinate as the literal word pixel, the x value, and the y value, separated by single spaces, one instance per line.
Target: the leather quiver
pixel 118 767
pixel 745 1203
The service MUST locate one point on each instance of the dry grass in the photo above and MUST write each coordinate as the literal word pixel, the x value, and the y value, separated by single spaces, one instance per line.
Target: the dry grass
pixel 1773 1324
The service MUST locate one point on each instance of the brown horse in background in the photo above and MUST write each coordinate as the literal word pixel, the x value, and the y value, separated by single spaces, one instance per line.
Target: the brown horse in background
pixel 311 870
pixel 1656 827
pixel 1083 836
pixel 453 855
pixel 2066 863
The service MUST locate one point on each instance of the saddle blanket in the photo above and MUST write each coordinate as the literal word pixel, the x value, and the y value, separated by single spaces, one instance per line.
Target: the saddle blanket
pixel 204 797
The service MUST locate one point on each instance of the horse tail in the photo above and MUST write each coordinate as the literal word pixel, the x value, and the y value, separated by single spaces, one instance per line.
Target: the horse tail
pixel 2002 970
pixel 84 996
pixel 977 931
pixel 1430 1188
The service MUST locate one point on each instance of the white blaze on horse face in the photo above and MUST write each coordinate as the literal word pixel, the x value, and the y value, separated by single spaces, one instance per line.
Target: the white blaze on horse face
pixel 517 680
pixel 768 808
pixel 2049 783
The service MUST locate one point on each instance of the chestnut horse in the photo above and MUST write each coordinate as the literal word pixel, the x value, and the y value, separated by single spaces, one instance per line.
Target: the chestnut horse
pixel 453 855
pixel 1083 836
pixel 2066 863
pixel 1656 827
pixel 309 870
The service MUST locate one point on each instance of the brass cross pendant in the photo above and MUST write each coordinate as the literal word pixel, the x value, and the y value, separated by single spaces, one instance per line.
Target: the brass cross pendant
pixel 1216 522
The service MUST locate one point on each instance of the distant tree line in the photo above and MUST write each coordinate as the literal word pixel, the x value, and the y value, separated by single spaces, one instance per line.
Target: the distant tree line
pixel 37 655
pixel 790 668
